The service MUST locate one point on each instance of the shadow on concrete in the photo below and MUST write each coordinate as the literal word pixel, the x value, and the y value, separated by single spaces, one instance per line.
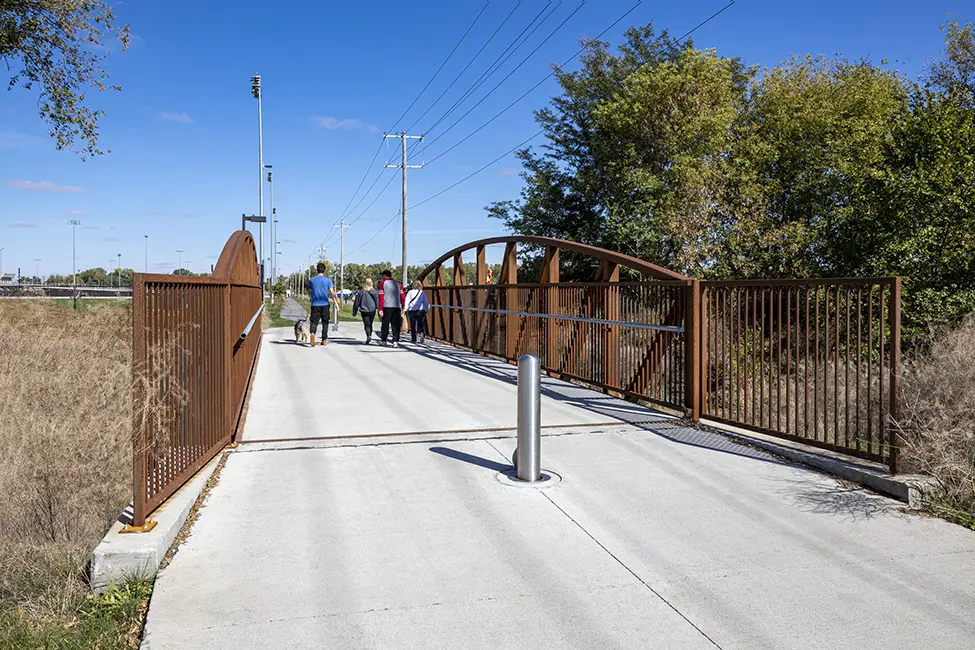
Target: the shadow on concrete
pixel 650 420
pixel 828 496
pixel 473 460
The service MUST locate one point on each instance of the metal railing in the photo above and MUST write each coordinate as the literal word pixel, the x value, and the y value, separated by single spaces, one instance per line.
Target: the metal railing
pixel 192 366
pixel 811 360
pixel 817 361
pixel 627 337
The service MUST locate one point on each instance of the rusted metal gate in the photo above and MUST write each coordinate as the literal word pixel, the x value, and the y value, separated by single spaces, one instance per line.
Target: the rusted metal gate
pixel 811 360
pixel 193 358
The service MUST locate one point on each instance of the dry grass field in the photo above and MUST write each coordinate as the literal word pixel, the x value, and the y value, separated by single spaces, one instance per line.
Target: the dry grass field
pixel 938 420
pixel 65 466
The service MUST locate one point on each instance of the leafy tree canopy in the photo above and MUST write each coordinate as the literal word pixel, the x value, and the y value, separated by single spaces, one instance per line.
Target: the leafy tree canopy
pixel 815 167
pixel 58 46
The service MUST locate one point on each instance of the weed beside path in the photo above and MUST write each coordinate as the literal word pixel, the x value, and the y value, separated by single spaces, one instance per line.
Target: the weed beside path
pixel 65 470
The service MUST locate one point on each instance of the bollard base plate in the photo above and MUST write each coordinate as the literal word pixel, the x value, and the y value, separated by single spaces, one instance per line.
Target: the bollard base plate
pixel 548 479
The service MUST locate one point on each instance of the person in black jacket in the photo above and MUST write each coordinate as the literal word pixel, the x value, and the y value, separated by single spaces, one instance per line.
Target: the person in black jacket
pixel 366 302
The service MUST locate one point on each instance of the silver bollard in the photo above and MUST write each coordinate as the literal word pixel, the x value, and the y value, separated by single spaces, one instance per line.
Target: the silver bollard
pixel 528 455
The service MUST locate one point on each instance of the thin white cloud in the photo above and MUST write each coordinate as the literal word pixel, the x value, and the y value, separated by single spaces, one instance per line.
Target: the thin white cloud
pixel 177 117
pixel 112 239
pixel 45 186
pixel 21 224
pixel 187 215
pixel 75 213
pixel 348 123
pixel 508 171
pixel 90 227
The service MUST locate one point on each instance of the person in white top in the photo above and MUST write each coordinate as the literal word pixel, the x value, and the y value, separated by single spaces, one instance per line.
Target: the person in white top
pixel 417 306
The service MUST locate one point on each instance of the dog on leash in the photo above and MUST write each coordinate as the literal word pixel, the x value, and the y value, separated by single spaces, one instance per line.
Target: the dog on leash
pixel 301 331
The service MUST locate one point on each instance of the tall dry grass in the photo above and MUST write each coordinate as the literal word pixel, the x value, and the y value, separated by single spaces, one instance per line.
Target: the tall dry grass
pixel 65 446
pixel 937 423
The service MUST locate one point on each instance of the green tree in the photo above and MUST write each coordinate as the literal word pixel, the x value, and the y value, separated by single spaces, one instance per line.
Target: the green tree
pixel 811 144
pixel 58 46
pixel 637 154
pixel 927 233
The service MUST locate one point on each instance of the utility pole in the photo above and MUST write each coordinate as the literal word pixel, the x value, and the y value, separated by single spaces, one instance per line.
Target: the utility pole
pixel 180 253
pixel 37 269
pixel 147 252
pixel 403 138
pixel 342 255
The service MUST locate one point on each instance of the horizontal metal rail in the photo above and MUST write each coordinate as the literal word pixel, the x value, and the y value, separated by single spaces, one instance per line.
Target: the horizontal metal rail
pixel 250 324
pixel 575 319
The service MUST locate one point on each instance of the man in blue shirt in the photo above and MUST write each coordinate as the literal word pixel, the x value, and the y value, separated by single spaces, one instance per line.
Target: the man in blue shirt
pixel 322 292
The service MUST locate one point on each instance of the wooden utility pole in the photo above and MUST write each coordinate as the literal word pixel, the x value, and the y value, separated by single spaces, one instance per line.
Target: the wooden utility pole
pixel 403 138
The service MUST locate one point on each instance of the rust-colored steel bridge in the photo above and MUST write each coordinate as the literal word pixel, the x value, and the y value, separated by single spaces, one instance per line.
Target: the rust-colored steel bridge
pixel 817 361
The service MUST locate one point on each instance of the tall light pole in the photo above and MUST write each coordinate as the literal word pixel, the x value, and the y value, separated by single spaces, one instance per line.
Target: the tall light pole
pixel 74 223
pixel 180 253
pixel 119 268
pixel 37 269
pixel 147 252
pixel 256 92
pixel 403 137
pixel 1 262
pixel 342 256
pixel 270 189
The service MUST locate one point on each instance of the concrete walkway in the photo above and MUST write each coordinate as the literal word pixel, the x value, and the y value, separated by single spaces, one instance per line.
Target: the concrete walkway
pixel 292 310
pixel 658 536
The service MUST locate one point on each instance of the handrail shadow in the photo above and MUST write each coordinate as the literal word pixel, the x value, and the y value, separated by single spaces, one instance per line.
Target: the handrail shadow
pixel 652 421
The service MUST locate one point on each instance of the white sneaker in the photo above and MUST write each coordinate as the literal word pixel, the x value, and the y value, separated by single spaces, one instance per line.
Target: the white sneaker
pixel 395 344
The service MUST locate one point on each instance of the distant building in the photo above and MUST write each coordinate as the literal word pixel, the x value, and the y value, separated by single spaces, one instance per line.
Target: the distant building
pixel 8 278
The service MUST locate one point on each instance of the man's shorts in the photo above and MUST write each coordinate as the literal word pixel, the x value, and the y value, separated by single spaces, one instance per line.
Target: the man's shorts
pixel 320 314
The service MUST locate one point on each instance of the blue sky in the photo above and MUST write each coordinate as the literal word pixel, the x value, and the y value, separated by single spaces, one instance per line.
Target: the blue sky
pixel 183 132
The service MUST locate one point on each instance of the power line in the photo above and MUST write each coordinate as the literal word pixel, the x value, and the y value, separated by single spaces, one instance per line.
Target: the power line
pixel 446 189
pixel 415 99
pixel 478 171
pixel 497 64
pixel 538 133
pixel 474 58
pixel 547 77
pixel 376 234
pixel 709 19
pixel 359 187
pixel 523 62
pixel 499 61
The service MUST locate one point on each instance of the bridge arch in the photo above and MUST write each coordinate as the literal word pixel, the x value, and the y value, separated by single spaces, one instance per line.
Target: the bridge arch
pixel 629 338
pixel 609 261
